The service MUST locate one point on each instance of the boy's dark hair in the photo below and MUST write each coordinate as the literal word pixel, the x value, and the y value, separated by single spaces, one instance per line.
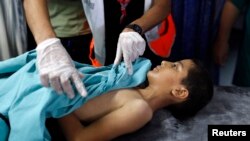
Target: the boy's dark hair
pixel 200 87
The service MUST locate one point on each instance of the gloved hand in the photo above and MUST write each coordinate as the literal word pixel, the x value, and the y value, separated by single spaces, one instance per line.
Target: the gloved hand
pixel 56 68
pixel 130 45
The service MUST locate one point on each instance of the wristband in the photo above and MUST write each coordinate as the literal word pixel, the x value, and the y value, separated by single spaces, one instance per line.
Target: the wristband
pixel 135 27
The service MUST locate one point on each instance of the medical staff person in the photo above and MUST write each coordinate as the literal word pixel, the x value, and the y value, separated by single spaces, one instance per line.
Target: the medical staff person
pixel 52 21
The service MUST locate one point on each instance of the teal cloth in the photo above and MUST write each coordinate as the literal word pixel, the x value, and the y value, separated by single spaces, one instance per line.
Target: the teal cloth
pixel 27 104
pixel 4 130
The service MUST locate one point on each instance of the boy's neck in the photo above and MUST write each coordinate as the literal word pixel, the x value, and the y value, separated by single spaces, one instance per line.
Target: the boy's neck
pixel 152 98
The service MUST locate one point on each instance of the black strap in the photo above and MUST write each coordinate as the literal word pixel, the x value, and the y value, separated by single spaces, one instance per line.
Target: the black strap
pixel 5 119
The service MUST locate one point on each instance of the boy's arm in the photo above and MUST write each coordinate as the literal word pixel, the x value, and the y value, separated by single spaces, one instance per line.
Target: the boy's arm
pixel 229 15
pixel 125 119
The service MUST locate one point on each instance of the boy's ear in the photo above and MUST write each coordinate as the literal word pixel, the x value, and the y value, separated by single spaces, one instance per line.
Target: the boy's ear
pixel 180 93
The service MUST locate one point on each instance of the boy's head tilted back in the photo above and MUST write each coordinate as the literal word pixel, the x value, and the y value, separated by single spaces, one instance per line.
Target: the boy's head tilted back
pixel 200 92
pixel 184 87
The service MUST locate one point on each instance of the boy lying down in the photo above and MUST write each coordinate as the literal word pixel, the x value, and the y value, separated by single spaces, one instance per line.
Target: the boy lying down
pixel 116 103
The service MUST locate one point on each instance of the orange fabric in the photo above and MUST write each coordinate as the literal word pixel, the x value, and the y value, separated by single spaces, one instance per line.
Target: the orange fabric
pixel 162 45
pixel 94 61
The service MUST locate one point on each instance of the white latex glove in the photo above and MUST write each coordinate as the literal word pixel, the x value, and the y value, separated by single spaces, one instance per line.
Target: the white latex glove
pixel 56 68
pixel 130 46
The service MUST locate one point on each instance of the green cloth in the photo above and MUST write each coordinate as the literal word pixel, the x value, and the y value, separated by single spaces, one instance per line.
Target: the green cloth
pixel 242 72
pixel 27 104
pixel 67 18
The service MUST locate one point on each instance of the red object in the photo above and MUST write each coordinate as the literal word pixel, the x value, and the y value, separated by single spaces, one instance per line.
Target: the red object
pixel 94 61
pixel 124 4
pixel 162 46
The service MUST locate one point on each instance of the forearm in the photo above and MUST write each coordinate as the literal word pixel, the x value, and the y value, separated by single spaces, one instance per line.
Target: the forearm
pixel 37 16
pixel 228 18
pixel 75 131
pixel 126 119
pixel 159 11
pixel 71 127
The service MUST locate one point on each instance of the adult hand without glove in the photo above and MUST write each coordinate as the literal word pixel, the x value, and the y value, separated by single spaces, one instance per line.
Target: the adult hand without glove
pixel 130 45
pixel 56 68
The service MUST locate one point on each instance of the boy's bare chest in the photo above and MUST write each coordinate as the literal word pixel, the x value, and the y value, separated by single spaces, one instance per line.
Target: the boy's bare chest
pixel 104 104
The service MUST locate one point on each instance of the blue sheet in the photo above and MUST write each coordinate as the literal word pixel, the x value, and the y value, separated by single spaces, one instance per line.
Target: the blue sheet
pixel 27 104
